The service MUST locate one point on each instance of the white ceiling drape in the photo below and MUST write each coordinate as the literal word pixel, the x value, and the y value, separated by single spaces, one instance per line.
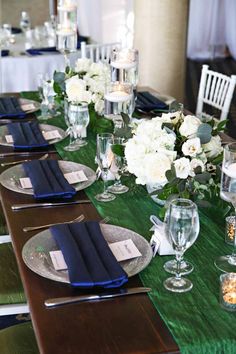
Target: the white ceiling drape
pixel 212 27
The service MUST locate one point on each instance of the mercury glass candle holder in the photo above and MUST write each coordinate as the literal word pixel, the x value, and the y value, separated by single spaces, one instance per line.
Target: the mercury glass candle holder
pixel 228 291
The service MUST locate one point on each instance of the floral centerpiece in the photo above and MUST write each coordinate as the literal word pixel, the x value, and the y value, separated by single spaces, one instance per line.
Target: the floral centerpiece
pixel 177 155
pixel 85 83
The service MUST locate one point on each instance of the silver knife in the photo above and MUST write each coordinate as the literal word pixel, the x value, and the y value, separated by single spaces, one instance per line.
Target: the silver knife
pixel 25 153
pixel 92 297
pixel 15 207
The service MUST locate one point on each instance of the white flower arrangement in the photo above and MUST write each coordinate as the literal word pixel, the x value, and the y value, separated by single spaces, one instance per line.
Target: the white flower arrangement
pixel 84 84
pixel 173 152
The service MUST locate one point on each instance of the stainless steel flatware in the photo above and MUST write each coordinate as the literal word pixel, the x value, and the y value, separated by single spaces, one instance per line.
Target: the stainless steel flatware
pixel 33 228
pixel 20 161
pixel 24 153
pixel 92 297
pixel 16 207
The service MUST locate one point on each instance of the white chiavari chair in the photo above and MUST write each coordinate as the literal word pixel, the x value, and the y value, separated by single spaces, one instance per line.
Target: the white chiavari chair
pixel 216 90
pixel 98 52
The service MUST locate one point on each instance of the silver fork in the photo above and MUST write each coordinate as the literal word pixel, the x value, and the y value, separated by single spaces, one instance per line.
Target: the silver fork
pixel 20 161
pixel 32 228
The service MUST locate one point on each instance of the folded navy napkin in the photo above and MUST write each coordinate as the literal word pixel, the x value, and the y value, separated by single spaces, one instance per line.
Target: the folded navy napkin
pixel 88 257
pixel 4 52
pixel 40 51
pixel 147 102
pixel 15 30
pixel 27 135
pixel 48 180
pixel 10 107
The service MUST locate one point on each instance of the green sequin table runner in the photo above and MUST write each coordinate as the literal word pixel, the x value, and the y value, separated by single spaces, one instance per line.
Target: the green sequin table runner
pixel 195 319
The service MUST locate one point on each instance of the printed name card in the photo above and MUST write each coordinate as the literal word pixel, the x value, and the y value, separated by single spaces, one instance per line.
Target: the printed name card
pixel 50 135
pixel 72 177
pixel 27 107
pixel 122 250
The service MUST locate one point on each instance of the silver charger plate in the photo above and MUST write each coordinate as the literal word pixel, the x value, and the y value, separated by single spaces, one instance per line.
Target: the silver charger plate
pixel 36 256
pixel 25 101
pixel 43 128
pixel 10 178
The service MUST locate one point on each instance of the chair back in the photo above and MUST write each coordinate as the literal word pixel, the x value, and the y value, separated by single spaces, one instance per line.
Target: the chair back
pixel 215 90
pixel 98 52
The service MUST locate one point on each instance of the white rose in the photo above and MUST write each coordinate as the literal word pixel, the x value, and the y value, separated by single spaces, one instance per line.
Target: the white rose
pixel 76 90
pixel 82 65
pixel 182 167
pixel 99 106
pixel 192 147
pixel 196 163
pixel 189 126
pixel 213 148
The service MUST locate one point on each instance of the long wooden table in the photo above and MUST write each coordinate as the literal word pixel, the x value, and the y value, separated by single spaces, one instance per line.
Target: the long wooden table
pixel 122 325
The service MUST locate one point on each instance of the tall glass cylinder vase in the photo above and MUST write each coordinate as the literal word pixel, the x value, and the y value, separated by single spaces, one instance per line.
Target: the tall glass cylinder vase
pixel 67 28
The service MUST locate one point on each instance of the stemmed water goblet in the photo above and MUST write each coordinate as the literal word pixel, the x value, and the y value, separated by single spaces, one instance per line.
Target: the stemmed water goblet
pixel 119 166
pixel 182 227
pixel 105 159
pixel 227 263
pixel 77 120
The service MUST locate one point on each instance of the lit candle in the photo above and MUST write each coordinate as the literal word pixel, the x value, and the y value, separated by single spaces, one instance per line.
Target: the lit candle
pixel 118 96
pixel 230 170
pixel 228 291
pixel 123 64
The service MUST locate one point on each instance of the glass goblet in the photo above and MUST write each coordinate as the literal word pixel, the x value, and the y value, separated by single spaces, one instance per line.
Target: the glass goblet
pixel 105 158
pixel 77 120
pixel 227 263
pixel 183 225
pixel 119 164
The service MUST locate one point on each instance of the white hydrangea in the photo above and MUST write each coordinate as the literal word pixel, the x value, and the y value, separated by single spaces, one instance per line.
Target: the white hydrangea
pixel 189 126
pixel 82 65
pixel 213 148
pixel 150 152
pixel 192 147
pixel 182 167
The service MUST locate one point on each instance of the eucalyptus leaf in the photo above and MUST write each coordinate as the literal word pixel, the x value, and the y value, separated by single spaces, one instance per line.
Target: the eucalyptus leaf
pixel 125 118
pixel 204 133
pixel 203 178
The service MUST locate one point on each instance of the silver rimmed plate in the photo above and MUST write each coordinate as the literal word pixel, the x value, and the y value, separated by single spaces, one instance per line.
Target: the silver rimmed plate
pixel 36 256
pixel 43 127
pixel 29 106
pixel 10 178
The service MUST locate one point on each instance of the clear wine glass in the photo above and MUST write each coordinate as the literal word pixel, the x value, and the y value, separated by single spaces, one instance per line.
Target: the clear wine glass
pixel 228 192
pixel 105 158
pixel 119 166
pixel 183 226
pixel 77 120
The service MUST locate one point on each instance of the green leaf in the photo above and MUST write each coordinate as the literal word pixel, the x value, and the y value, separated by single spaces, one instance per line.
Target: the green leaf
pixel 203 178
pixel 118 149
pixel 221 125
pixel 124 132
pixel 218 159
pixel 204 133
pixel 125 118
pixel 59 77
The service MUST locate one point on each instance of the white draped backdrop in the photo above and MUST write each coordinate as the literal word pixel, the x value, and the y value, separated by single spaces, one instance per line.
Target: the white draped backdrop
pixel 212 27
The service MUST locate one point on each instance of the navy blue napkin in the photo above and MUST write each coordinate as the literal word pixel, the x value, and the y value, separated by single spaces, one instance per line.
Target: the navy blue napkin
pixel 10 107
pixel 27 135
pixel 4 52
pixel 40 51
pixel 88 257
pixel 147 102
pixel 48 180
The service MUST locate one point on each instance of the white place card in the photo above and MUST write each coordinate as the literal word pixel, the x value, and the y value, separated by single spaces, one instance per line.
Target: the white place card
pixel 27 107
pixel 53 134
pixel 122 250
pixel 71 177
pixel 58 260
pixel 9 139
pixel 75 177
